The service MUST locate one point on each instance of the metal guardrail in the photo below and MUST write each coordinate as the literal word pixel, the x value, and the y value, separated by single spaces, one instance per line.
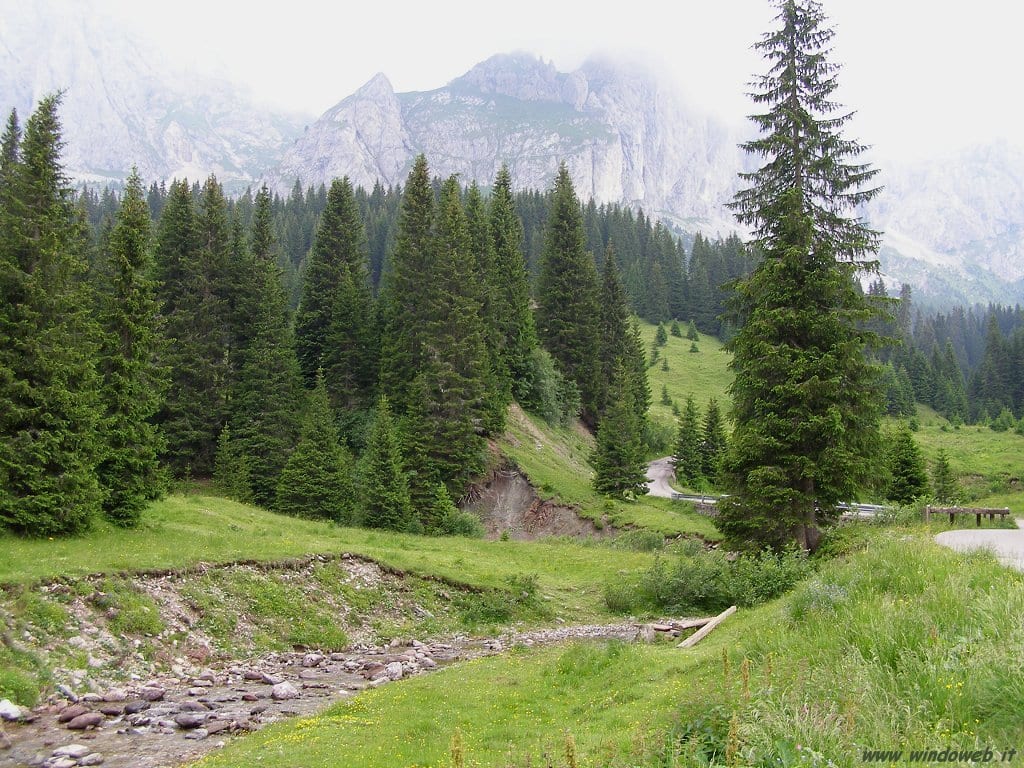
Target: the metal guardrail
pixel 852 506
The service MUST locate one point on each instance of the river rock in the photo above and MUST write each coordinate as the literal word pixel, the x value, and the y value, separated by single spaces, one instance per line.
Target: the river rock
pixel 312 659
pixel 427 663
pixel 61 762
pixel 270 679
pixel 116 694
pixel 190 719
pixel 308 674
pixel 69 713
pixel 136 706
pixel 152 693
pixel 88 720
pixel 395 670
pixel 111 710
pixel 75 751
pixel 216 726
pixel 252 674
pixel 197 734
pixel 202 682
pixel 93 758
pixel 9 710
pixel 284 691
pixel 193 706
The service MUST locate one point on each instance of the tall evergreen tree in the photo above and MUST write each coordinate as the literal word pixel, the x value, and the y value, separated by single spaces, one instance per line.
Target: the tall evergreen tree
pixel 317 479
pixel 618 456
pixel 944 484
pixel 805 402
pixel 383 486
pixel 49 405
pixel 908 478
pixel 403 346
pixel 713 442
pixel 448 406
pixel 485 279
pixel 689 467
pixel 265 413
pixel 133 383
pixel 192 258
pixel 567 313
pixel 335 326
pixel 510 289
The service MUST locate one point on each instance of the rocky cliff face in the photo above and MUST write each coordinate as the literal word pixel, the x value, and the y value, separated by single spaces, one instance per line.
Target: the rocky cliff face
pixel 625 136
pixel 122 105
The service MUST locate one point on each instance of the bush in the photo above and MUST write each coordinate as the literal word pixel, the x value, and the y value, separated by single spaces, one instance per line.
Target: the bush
pixel 459 523
pixel 549 394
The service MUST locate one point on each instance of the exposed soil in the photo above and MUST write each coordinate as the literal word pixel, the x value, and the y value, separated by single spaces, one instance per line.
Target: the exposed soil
pixel 508 505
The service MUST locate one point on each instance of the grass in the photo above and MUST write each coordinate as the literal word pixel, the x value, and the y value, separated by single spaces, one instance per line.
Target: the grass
pixel 990 464
pixel 555 461
pixel 900 645
pixel 703 374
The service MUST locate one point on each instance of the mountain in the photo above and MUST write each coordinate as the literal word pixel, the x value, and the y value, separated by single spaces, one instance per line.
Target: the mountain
pixel 953 227
pixel 123 105
pixel 625 135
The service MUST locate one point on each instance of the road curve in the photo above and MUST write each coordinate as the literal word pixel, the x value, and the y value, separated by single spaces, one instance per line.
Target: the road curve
pixel 1007 545
pixel 660 474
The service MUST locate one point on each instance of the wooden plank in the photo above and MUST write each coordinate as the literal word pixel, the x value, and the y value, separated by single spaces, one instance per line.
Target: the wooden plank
pixel 703 632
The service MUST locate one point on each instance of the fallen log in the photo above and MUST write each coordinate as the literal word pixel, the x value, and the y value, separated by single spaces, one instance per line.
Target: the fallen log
pixel 703 632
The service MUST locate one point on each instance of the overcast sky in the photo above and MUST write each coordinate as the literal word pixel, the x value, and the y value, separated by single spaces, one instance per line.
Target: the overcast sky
pixel 925 76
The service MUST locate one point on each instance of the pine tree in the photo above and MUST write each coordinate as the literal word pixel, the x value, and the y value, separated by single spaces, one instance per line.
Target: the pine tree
pixel 498 382
pixel 448 401
pixel 568 309
pixel 944 484
pixel 133 383
pixel 618 457
pixel 193 261
pixel 403 346
pixel 49 404
pixel 383 487
pixel 660 336
pixel 336 324
pixel 317 480
pixel 675 330
pixel 689 467
pixel 805 402
pixel 510 290
pixel 713 442
pixel 264 417
pixel 619 341
pixel 908 478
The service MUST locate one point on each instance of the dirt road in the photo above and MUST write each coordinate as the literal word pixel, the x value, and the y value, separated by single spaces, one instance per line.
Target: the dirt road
pixel 1007 545
pixel 660 474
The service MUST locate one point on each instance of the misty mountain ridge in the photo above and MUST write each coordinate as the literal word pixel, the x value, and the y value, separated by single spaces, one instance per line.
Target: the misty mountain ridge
pixel 953 227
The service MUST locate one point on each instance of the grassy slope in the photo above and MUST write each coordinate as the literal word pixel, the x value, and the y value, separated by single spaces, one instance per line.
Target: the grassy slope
pixel 904 645
pixel 183 530
pixel 555 461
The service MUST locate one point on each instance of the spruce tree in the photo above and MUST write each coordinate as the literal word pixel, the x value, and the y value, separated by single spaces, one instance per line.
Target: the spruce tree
pixel 49 406
pixel 908 478
pixel 231 468
pixel 404 315
pixel 336 323
pixel 510 289
pixel 383 486
pixel 618 456
pixel 264 415
pixel 567 296
pixel 689 467
pixel 448 402
pixel 805 402
pixel 133 383
pixel 713 442
pixel 486 281
pixel 619 342
pixel 316 481
pixel 193 258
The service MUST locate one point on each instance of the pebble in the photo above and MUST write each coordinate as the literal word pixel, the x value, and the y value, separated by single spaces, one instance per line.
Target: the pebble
pixel 190 719
pixel 9 710
pixel 75 751
pixel 284 691
pixel 88 720
pixel 69 713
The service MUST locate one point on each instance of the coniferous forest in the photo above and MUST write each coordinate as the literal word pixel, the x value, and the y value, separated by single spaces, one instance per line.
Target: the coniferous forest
pixel 336 344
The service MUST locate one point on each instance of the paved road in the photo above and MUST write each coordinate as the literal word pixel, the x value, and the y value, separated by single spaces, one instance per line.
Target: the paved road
pixel 660 473
pixel 1007 545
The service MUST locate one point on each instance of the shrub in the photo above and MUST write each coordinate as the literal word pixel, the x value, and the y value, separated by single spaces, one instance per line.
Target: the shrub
pixel 639 540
